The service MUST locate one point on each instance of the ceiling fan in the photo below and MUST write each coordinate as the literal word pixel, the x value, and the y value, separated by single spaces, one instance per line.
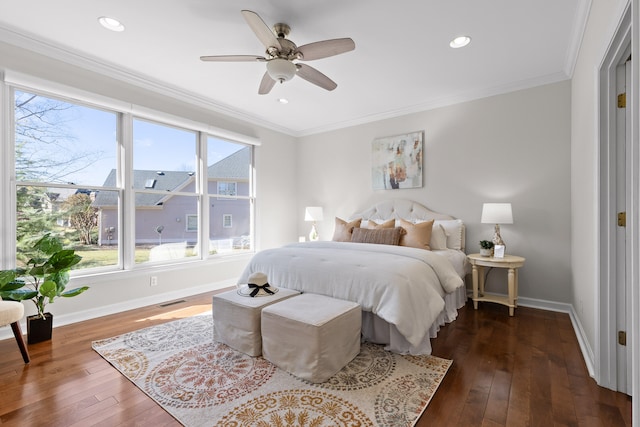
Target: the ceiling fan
pixel 281 52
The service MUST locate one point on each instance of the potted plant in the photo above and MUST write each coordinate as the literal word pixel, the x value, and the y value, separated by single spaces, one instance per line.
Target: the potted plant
pixel 44 278
pixel 486 247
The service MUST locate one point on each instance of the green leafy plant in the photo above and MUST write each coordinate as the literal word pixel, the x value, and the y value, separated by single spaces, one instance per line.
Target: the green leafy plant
pixel 45 276
pixel 486 244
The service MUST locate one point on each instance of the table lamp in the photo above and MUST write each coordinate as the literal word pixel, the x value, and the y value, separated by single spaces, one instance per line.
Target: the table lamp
pixel 497 213
pixel 313 213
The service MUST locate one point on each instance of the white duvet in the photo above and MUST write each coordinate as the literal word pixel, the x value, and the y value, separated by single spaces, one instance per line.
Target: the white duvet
pixel 402 285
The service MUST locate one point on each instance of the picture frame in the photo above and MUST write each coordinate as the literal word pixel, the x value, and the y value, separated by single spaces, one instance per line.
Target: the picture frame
pixel 397 161
pixel 498 251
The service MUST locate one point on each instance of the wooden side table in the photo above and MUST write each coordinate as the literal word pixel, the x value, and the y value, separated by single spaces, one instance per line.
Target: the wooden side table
pixel 479 262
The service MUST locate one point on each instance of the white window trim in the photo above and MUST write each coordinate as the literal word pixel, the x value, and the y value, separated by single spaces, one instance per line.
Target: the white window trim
pixel 224 220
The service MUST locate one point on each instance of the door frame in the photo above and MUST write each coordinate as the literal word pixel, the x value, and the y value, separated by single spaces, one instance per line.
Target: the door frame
pixel 606 324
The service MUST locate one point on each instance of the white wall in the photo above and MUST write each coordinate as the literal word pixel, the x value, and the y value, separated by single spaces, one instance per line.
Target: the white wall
pixel 603 19
pixel 275 204
pixel 513 148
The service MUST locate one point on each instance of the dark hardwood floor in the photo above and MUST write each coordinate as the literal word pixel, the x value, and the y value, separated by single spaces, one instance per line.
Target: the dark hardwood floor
pixel 525 370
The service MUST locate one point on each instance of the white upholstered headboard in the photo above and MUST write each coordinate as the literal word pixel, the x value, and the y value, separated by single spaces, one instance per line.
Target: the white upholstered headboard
pixel 399 209
pixel 403 209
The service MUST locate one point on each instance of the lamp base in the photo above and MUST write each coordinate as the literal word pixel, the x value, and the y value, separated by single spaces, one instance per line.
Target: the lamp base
pixel 313 235
pixel 497 239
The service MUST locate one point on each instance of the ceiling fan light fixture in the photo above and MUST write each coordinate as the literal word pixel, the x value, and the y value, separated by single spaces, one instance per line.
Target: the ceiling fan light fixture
pixel 111 23
pixel 461 41
pixel 281 70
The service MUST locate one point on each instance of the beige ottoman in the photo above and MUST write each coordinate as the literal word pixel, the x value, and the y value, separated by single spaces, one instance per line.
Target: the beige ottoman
pixel 311 336
pixel 236 319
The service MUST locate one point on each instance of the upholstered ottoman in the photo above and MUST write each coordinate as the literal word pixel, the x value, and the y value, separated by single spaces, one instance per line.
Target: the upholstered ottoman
pixel 236 319
pixel 311 336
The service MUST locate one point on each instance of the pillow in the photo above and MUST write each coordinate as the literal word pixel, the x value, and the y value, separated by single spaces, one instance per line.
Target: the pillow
pixel 453 229
pixel 438 238
pixel 375 226
pixel 343 229
pixel 417 235
pixel 382 236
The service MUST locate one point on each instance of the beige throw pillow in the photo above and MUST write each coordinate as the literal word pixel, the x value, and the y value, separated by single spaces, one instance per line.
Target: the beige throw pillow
pixel 417 235
pixel 375 226
pixel 343 229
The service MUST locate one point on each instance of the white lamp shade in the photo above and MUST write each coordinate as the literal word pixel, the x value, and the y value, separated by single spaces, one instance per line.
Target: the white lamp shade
pixel 313 213
pixel 281 69
pixel 496 213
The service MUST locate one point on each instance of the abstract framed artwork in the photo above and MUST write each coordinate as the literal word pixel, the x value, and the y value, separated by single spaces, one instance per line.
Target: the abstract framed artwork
pixel 397 162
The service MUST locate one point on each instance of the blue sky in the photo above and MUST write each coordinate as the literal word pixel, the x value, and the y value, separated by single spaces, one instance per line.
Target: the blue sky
pixel 91 134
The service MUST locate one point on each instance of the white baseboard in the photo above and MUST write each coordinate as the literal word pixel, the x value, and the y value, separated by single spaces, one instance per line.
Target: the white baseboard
pixel 80 316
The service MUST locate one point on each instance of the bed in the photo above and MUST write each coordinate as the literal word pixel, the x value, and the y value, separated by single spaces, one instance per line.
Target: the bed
pixel 406 293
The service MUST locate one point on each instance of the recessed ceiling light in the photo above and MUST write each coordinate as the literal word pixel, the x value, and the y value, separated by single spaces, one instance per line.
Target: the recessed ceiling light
pixel 111 23
pixel 461 41
pixel 283 100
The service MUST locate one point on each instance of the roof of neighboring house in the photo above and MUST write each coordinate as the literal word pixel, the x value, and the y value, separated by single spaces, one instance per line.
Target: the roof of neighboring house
pixel 230 168
pixel 164 181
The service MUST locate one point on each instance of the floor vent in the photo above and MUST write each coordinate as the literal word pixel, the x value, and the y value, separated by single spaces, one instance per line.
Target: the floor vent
pixel 167 304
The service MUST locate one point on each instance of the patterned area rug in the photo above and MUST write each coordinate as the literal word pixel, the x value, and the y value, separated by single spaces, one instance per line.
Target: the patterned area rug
pixel 204 383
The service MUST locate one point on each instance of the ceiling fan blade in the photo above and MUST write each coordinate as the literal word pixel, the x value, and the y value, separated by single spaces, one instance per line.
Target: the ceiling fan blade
pixel 262 30
pixel 233 58
pixel 266 84
pixel 326 48
pixel 314 76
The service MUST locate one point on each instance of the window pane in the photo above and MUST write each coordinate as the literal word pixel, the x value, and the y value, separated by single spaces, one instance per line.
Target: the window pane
pixel 229 175
pixel 160 230
pixel 59 142
pixel 164 158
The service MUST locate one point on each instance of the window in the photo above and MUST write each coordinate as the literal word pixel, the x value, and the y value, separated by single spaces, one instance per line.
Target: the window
pixel 63 154
pixel 227 189
pixel 192 223
pixel 72 179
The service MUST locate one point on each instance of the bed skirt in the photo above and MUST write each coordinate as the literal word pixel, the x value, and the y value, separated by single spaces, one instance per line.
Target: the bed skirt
pixel 376 330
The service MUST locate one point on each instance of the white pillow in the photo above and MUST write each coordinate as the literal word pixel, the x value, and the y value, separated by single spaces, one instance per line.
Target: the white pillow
pixel 453 230
pixel 438 238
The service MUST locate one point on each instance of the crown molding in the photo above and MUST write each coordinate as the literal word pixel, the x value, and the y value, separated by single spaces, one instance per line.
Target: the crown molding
pixel 72 57
pixel 577 35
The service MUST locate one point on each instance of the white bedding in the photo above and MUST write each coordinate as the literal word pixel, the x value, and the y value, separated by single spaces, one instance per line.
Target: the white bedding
pixel 410 296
